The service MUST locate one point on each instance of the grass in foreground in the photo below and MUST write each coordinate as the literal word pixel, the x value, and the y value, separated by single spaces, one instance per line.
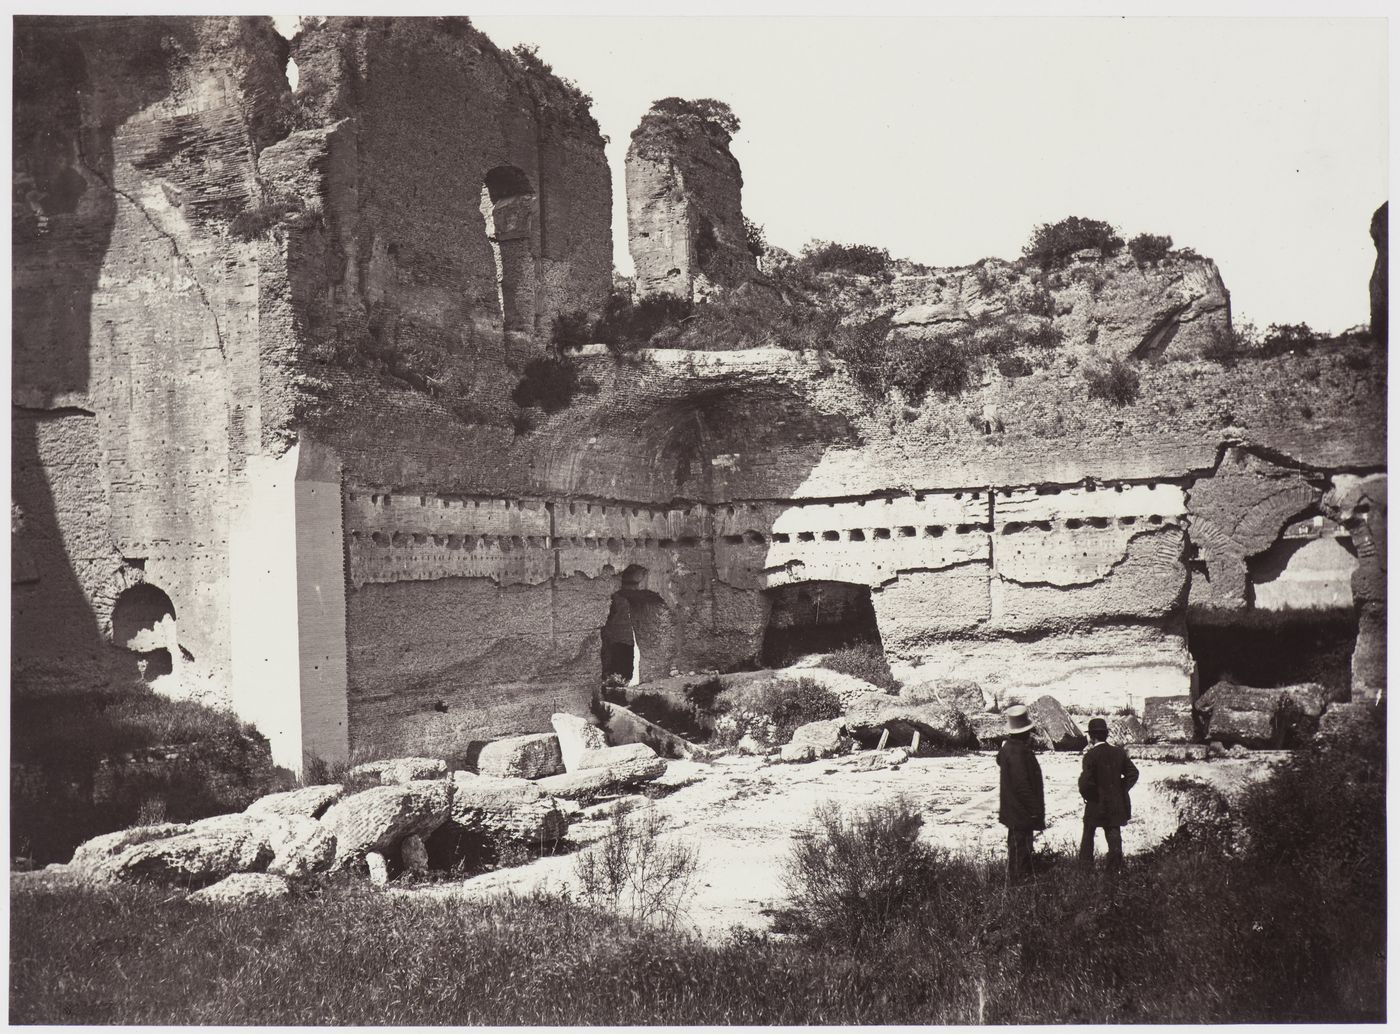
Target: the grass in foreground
pixel 881 929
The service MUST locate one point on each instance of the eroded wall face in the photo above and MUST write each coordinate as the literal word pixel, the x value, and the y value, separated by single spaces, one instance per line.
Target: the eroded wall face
pixel 135 330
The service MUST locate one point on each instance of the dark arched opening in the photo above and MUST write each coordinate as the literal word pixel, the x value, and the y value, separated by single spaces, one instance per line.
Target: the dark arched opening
pixel 816 617
pixel 508 204
pixel 143 623
pixel 638 638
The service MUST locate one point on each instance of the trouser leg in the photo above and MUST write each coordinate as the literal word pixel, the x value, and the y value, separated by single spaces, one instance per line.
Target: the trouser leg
pixel 1114 836
pixel 1018 854
pixel 1086 848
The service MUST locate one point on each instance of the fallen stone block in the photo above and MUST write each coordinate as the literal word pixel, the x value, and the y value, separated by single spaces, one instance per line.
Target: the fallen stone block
pixel 1308 699
pixel 1054 728
pixel 626 726
pixel 310 801
pixel 300 846
pixel 869 715
pixel 1259 729
pixel 194 859
pixel 378 868
pixel 873 760
pixel 500 811
pixel 822 739
pixel 1126 729
pixel 576 736
pixel 1232 697
pixel 751 745
pixel 988 728
pixel 959 694
pixel 396 772
pixel 379 818
pixel 1169 719
pixel 242 888
pixel 607 771
pixel 1337 722
pixel 522 757
pixel 93 853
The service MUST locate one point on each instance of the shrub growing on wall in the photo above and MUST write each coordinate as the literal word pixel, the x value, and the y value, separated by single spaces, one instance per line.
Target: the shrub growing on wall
pixel 549 383
pixel 1149 248
pixel 1053 243
pixel 830 257
pixel 1116 383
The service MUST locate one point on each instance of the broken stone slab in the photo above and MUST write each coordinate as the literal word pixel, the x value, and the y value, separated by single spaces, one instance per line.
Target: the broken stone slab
pixel 816 740
pixel 379 818
pixel 242 888
pixel 1169 752
pixel 1308 699
pixel 1126 729
pixel 310 801
pixel 396 772
pixel 752 746
pixel 576 736
pixel 1259 729
pixel 300 845
pixel 193 859
pixel 626 726
pixel 989 729
pixel 1053 725
pixel 522 757
pixel 499 811
pixel 869 715
pixel 1169 719
pixel 960 694
pixel 606 771
pixel 378 867
pixel 1234 697
pixel 93 853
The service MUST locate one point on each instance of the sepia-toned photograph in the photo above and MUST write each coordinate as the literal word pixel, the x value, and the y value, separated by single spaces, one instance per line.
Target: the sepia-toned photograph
pixel 663 519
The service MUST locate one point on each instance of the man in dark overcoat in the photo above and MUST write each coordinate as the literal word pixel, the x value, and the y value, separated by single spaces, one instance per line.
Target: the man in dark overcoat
pixel 1104 781
pixel 1022 809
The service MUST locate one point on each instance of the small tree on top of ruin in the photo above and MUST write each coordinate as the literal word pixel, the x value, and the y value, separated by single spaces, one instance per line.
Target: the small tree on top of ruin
pixel 675 118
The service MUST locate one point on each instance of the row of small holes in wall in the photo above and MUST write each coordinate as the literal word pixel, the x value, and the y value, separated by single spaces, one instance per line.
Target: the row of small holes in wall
pixel 380 538
pixel 504 504
pixel 1075 523
pixel 1151 486
pixel 931 531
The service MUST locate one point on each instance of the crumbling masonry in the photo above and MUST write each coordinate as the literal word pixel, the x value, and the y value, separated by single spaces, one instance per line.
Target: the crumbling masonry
pixel 264 447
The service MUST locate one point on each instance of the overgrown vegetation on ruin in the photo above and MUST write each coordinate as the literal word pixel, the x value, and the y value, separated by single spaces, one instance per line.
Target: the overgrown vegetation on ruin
pixel 863 661
pixel 1117 382
pixel 85 764
pixel 1052 244
pixel 1288 926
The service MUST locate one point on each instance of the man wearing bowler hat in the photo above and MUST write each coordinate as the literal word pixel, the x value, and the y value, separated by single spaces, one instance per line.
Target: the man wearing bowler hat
pixel 1104 782
pixel 1022 809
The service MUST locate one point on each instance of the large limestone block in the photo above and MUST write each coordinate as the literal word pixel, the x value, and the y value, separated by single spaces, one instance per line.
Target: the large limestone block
pixel 1053 725
pixel 1308 699
pixel 505 810
pixel 301 846
pixel 1169 719
pixel 626 726
pixel 522 757
pixel 576 735
pixel 203 855
pixel 960 694
pixel 243 888
pixel 1240 698
pixel 988 728
pixel 606 771
pixel 870 714
pixel 308 801
pixel 92 854
pixel 380 817
pixel 1250 728
pixel 397 771
pixel 1126 729
pixel 821 739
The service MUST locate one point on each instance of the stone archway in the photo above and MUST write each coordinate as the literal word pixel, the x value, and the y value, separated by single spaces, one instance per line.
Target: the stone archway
pixel 816 617
pixel 639 636
pixel 143 624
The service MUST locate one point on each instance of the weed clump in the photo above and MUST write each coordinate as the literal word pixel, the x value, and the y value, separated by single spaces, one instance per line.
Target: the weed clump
pixel 1116 383
pixel 863 661
pixel 634 873
pixel 1149 248
pixel 1052 244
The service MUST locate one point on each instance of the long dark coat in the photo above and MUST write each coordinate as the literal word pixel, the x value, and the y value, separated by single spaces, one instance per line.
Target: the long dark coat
pixel 1022 789
pixel 1104 781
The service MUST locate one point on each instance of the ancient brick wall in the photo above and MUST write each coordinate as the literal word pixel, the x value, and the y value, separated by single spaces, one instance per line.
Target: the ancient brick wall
pixel 135 325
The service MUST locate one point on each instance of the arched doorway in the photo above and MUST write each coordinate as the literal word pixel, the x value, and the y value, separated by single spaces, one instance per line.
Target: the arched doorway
pixel 816 617
pixel 508 204
pixel 638 638
pixel 143 623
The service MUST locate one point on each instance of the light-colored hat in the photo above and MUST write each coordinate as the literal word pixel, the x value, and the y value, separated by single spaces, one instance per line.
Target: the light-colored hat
pixel 1018 719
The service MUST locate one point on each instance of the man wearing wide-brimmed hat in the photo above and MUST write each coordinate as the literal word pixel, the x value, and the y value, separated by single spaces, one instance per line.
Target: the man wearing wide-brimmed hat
pixel 1104 781
pixel 1022 809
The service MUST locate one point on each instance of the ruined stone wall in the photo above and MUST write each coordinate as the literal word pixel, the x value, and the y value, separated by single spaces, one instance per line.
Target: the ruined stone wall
pixel 135 346
pixel 685 222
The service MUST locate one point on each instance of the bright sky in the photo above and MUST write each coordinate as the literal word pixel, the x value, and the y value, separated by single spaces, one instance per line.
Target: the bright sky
pixel 1261 143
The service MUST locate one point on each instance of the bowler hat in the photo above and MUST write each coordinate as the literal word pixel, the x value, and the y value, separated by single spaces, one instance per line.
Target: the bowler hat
pixel 1098 725
pixel 1018 719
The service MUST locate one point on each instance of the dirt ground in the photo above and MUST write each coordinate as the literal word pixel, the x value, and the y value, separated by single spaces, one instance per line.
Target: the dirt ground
pixel 740 814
